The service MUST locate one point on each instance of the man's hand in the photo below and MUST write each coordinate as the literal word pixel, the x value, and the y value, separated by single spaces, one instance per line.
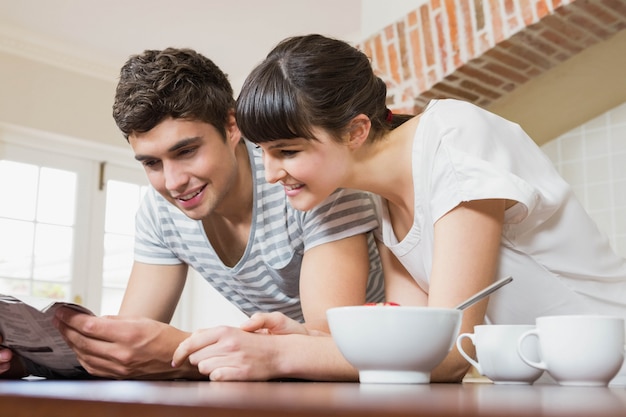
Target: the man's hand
pixel 232 354
pixel 251 352
pixel 10 364
pixel 123 347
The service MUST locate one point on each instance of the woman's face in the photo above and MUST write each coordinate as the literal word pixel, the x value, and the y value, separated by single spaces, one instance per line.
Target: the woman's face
pixel 309 170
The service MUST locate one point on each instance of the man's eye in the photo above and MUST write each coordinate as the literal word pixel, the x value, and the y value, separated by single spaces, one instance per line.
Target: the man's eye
pixel 186 152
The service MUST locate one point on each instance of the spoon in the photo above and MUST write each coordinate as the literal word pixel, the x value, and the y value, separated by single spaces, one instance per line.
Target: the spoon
pixel 483 293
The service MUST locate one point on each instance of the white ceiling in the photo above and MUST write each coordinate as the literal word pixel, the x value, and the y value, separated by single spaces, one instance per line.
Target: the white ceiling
pixel 235 34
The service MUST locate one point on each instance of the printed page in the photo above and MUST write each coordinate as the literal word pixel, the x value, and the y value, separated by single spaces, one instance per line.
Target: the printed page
pixel 26 328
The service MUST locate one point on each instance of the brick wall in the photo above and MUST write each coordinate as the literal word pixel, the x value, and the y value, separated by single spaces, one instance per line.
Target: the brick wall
pixel 479 50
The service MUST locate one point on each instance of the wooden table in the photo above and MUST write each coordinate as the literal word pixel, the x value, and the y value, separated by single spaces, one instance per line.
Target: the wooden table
pixel 276 399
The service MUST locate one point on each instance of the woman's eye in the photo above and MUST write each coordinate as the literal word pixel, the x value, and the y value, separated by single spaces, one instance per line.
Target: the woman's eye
pixel 287 153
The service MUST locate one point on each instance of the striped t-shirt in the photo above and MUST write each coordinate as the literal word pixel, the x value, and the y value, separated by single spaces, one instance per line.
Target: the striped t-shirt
pixel 266 278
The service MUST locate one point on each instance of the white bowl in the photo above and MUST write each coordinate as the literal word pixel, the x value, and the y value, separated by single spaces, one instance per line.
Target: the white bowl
pixel 394 344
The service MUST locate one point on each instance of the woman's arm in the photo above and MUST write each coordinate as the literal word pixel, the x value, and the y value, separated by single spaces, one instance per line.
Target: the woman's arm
pixel 333 274
pixel 400 286
pixel 465 259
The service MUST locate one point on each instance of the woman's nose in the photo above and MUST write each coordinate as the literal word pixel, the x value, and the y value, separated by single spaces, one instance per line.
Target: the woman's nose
pixel 273 169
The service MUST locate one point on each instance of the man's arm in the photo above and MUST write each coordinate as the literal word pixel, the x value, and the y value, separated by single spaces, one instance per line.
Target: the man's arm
pixel 153 291
pixel 138 343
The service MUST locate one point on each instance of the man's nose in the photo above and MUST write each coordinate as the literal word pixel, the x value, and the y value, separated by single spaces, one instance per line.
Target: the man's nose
pixel 175 177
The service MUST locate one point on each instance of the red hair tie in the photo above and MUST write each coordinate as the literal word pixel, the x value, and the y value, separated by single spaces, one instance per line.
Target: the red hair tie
pixel 389 117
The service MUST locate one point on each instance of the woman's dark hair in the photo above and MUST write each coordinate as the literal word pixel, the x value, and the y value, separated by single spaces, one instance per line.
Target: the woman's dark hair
pixel 311 81
pixel 177 83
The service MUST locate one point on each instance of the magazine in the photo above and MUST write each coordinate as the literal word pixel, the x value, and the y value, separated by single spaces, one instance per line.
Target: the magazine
pixel 27 329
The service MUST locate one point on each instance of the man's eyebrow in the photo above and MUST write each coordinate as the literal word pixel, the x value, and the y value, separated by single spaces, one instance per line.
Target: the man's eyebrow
pixel 173 148
pixel 183 143
pixel 141 158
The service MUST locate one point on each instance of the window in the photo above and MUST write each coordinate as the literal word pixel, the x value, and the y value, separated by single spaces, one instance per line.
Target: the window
pixel 122 201
pixel 66 224
pixel 37 223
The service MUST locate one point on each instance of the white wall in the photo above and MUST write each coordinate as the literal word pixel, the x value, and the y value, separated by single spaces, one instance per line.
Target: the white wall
pixel 376 14
pixel 50 99
pixel 592 159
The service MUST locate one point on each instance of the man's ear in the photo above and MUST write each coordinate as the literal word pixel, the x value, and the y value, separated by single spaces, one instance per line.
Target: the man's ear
pixel 232 130
pixel 358 130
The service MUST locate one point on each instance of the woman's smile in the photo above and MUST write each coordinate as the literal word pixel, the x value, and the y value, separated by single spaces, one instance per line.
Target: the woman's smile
pixel 292 189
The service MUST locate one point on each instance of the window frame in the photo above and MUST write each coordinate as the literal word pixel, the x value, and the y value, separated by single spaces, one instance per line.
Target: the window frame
pixel 95 164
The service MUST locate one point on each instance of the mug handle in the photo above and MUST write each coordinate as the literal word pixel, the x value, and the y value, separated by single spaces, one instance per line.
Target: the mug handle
pixel 539 365
pixel 465 355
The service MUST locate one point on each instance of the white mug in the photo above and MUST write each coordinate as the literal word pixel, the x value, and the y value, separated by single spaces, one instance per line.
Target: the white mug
pixel 578 349
pixel 496 353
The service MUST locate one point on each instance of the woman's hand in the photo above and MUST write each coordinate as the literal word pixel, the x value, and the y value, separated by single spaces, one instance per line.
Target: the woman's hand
pixel 277 323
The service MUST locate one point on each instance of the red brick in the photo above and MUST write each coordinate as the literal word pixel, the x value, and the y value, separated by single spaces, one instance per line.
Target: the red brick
pixel 394 62
pixel 442 89
pixel 427 35
pixel 476 88
pixel 506 73
pixel 562 26
pixel 561 41
pixel 366 48
pixel 414 38
pixel 403 50
pixel 535 41
pixel 526 12
pixel 478 74
pixel 466 20
pixel 479 15
pixel 498 53
pixel 591 27
pixel 442 45
pixel 616 6
pixel 522 52
pixel 594 10
pixel 497 24
pixel 431 77
pixel 380 54
pixel 509 7
pixel 453 31
pixel 541 8
pixel 411 18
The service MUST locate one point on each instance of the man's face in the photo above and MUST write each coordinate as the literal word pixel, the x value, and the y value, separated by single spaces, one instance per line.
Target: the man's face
pixel 189 163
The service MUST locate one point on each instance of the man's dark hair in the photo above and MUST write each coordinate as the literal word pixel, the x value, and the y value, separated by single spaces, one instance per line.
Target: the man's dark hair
pixel 177 83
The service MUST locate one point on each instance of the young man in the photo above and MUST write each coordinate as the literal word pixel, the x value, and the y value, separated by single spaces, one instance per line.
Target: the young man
pixel 210 208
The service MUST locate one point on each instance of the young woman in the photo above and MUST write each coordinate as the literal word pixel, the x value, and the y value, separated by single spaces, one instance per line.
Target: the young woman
pixel 466 196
